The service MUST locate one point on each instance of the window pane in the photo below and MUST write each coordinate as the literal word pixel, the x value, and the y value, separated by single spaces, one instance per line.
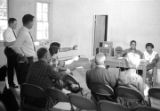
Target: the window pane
pixel 39 11
pixel 3 14
pixel 3 3
pixel 45 8
pixel 3 26
pixel 42 30
pixel 42 21
pixel 45 17
pixel 39 26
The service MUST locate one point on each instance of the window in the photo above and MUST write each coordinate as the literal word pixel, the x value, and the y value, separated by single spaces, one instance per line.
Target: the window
pixel 42 21
pixel 3 17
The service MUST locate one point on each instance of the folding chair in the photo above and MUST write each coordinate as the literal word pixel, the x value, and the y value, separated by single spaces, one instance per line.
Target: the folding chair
pixel 33 98
pixel 61 99
pixel 82 103
pixel 105 105
pixel 154 97
pixel 129 97
pixel 102 92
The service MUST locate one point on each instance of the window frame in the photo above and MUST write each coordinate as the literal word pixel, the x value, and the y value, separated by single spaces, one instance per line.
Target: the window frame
pixel 41 21
pixel 7 4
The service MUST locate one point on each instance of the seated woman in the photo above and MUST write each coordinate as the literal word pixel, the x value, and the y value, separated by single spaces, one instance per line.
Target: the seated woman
pixel 152 59
pixel 129 77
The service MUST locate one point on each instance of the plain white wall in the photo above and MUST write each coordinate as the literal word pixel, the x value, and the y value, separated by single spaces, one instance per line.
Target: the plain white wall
pixel 72 21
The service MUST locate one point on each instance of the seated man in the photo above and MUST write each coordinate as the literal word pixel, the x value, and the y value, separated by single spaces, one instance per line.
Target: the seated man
pixel 133 50
pixel 64 49
pixel 100 74
pixel 54 53
pixel 130 78
pixel 152 59
pixel 54 62
pixel 41 73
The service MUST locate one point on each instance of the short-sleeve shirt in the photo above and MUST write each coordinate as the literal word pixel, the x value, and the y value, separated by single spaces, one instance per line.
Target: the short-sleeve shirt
pixel 8 35
pixel 149 57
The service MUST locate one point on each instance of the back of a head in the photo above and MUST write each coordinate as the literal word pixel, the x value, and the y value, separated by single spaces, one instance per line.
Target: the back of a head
pixel 11 20
pixel 41 53
pixel 53 50
pixel 27 18
pixel 56 44
pixel 100 59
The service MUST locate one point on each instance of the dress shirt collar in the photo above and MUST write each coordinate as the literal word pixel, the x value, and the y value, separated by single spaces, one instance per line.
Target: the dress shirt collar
pixel 25 28
pixel 9 28
pixel 101 66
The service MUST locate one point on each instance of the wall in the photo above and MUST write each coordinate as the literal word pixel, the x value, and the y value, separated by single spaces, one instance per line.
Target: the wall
pixel 72 21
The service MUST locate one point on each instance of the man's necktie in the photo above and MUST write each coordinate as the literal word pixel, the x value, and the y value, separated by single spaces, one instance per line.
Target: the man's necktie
pixel 32 42
pixel 14 33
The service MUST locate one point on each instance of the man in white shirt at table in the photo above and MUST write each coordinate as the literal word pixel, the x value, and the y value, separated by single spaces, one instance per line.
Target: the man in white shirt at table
pixel 24 46
pixel 9 36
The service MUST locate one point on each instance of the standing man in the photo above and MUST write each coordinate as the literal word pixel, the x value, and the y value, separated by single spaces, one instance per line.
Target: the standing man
pixel 9 39
pixel 24 46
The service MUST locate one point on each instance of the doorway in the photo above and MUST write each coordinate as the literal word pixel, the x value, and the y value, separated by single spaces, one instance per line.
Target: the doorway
pixel 100 31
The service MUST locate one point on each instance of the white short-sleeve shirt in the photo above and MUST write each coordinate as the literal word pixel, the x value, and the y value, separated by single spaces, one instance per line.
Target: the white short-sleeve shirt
pixel 8 35
pixel 149 57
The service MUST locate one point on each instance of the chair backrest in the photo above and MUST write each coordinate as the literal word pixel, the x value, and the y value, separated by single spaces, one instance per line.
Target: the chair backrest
pixel 154 96
pixel 154 92
pixel 33 95
pixel 105 105
pixel 2 107
pixel 100 89
pixel 57 95
pixel 126 92
pixel 81 102
pixel 118 51
pixel 145 108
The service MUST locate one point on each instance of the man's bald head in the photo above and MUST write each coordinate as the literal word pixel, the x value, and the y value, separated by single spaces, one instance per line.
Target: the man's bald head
pixel 100 59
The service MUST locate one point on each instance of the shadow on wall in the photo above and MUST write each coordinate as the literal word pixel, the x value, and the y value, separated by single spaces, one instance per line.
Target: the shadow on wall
pixel 3 60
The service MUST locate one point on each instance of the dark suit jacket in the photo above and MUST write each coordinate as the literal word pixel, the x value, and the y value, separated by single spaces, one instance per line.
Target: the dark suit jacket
pixel 42 74
pixel 100 75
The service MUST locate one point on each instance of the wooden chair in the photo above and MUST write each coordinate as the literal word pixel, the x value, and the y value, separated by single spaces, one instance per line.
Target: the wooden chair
pixel 129 97
pixel 154 97
pixel 100 91
pixel 145 109
pixel 33 98
pixel 110 106
pixel 59 98
pixel 2 107
pixel 82 103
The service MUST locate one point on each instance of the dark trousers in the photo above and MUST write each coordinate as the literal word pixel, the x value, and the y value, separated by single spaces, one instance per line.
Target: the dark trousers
pixel 11 64
pixel 23 70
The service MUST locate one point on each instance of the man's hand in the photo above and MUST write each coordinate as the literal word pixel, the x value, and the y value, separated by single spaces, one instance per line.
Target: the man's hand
pixel 75 47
